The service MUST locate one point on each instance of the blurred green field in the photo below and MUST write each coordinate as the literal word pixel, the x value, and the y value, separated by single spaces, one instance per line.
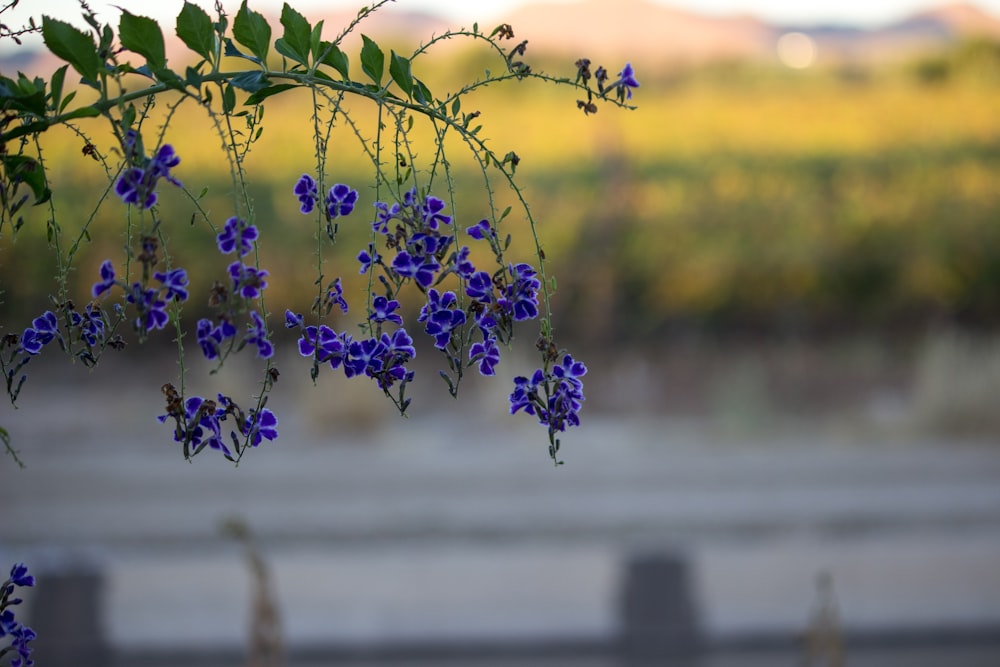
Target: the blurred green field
pixel 736 199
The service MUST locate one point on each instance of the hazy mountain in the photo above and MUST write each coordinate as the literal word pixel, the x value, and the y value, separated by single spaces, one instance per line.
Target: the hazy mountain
pixel 617 30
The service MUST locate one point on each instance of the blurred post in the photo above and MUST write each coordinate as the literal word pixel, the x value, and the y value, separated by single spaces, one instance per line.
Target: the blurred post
pixel 660 624
pixel 66 612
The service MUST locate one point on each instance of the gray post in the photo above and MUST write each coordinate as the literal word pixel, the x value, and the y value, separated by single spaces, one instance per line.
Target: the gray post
pixel 660 623
pixel 66 613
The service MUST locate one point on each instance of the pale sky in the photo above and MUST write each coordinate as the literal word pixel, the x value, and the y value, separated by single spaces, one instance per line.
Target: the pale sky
pixel 856 12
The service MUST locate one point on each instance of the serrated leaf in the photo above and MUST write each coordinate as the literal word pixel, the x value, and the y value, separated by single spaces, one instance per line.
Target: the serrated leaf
pixel 231 51
pixel 298 35
pixel 264 93
pixel 335 58
pixel 194 27
pixel 72 45
pixel 251 29
pixel 372 60
pixel 399 70
pixel 142 35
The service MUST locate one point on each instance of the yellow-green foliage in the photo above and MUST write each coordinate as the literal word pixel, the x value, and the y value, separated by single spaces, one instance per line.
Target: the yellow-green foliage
pixel 789 201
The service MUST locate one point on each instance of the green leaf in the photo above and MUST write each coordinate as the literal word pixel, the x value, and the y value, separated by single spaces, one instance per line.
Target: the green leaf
pixel 250 29
pixel 23 169
pixel 315 40
pixel 66 100
pixel 264 93
pixel 72 45
pixel 194 27
pixel 170 78
pixel 82 112
pixel 335 58
pixel 232 51
pixel 372 60
pixel 421 93
pixel 296 41
pixel 55 94
pixel 250 81
pixel 142 35
pixel 456 106
pixel 399 70
pixel 228 99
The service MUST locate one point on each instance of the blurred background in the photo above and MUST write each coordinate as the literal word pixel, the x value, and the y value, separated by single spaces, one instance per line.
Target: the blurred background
pixel 783 273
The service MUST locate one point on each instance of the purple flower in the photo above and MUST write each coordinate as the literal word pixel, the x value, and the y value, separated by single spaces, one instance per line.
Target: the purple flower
pixel 384 214
pixel 430 213
pixel 364 356
pixel 307 192
pixel 175 282
pixel 107 279
pixel 324 343
pixel 627 81
pixel 91 324
pixel 161 164
pixel 419 269
pixel 210 337
pixel 19 576
pixel 43 330
pixel 132 187
pixel 236 234
pixel 463 266
pixel 525 395
pixel 398 350
pixel 336 295
pixel 560 407
pixel 521 296
pixel 260 425
pixel 441 316
pixel 368 258
pixel 293 320
pixel 340 200
pixel 487 353
pixel 258 336
pixel 479 286
pixel 248 281
pixel 22 635
pixel 481 230
pixel 383 310
pixel 137 185
pixel 152 309
pixel 204 428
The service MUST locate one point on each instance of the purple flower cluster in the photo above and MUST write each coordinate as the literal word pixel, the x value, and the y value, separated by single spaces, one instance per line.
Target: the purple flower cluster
pixel 340 199
pixel 20 635
pixel 555 398
pixel 199 425
pixel 418 236
pixel 137 184
pixel 382 358
pixel 151 304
